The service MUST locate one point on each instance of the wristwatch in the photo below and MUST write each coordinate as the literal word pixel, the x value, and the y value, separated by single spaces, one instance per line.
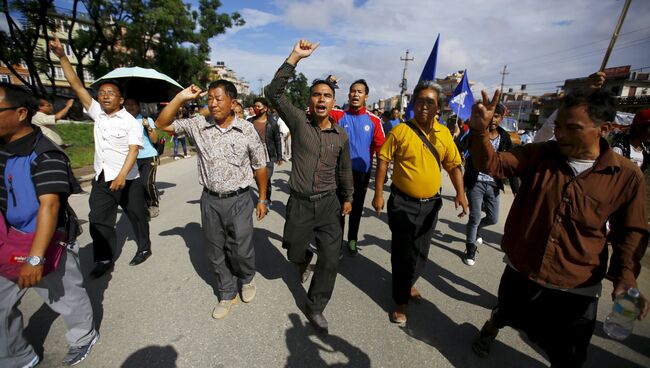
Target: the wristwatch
pixel 35 260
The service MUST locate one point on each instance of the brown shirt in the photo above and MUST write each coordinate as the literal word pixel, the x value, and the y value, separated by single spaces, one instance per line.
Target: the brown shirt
pixel 555 233
pixel 320 158
pixel 226 159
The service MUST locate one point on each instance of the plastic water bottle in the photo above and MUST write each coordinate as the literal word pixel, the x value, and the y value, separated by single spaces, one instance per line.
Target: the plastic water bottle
pixel 619 323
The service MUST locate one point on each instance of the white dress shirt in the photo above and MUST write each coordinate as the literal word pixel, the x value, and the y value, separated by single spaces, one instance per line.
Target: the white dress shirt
pixel 113 135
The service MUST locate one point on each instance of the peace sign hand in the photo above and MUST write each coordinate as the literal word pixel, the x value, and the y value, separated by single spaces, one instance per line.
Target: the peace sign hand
pixel 483 111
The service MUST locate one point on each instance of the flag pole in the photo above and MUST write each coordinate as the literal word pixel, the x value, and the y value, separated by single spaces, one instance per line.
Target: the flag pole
pixel 619 25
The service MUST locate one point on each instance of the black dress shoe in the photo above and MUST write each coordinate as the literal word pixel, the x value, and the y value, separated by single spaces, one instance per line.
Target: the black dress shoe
pixel 318 321
pixel 100 269
pixel 140 257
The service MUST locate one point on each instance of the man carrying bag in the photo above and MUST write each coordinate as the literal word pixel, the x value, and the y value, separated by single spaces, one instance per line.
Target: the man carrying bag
pixel 37 236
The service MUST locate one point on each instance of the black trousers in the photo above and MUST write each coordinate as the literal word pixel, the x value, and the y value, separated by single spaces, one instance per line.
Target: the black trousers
pixel 269 174
pixel 147 168
pixel 361 181
pixel 561 323
pixel 319 219
pixel 103 214
pixel 411 224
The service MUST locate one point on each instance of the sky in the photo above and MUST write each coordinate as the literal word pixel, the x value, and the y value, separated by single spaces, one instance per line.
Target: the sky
pixel 542 42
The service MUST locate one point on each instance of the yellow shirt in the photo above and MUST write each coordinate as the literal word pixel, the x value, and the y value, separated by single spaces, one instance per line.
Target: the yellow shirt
pixel 415 170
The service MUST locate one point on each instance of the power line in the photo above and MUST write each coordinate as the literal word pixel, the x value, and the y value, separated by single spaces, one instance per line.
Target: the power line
pixel 577 47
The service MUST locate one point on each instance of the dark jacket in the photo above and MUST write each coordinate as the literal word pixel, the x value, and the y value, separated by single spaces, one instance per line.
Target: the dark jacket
pixel 273 143
pixel 471 174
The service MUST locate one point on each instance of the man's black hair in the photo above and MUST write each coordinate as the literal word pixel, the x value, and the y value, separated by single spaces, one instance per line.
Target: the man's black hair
pixel 500 109
pixel 114 82
pixel 227 86
pixel 601 106
pixel 19 97
pixel 328 82
pixel 363 82
pixel 393 109
pixel 261 100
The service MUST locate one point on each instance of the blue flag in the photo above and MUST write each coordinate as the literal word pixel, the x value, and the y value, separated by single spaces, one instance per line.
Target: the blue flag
pixel 428 73
pixel 462 100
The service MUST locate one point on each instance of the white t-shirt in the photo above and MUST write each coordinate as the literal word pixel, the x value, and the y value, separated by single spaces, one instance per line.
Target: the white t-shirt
pixel 636 156
pixel 113 135
pixel 40 119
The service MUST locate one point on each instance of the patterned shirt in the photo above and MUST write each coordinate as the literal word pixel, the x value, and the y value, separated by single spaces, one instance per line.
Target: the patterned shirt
pixel 321 157
pixel 226 159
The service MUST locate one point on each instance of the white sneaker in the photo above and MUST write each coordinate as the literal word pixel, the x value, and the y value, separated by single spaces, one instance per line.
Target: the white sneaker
pixel 176 158
pixel 479 240
pixel 223 308
pixel 33 363
pixel 188 156
pixel 248 292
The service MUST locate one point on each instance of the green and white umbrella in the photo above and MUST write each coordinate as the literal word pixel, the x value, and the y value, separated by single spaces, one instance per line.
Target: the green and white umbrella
pixel 143 84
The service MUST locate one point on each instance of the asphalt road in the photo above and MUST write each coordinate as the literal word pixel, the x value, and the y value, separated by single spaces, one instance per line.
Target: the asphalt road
pixel 158 314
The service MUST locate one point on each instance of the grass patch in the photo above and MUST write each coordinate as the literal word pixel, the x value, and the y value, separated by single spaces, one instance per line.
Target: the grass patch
pixel 83 144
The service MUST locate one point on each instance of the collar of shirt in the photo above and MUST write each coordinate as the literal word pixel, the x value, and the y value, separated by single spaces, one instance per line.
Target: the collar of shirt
pixel 22 146
pixel 333 124
pixel 608 159
pixel 236 124
pixel 361 111
pixel 121 113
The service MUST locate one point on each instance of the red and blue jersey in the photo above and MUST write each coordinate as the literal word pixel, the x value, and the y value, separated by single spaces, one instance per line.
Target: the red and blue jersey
pixel 366 135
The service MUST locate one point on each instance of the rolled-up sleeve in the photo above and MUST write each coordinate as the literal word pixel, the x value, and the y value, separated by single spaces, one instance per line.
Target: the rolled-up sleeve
pixel 135 136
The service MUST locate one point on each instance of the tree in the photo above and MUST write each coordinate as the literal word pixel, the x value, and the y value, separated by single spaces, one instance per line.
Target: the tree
pixel 163 34
pixel 297 90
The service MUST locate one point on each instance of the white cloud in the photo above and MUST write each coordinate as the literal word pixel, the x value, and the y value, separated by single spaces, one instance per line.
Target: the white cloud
pixel 540 41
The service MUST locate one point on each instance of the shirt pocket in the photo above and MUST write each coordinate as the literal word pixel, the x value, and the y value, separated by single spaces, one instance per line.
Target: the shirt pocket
pixel 590 214
pixel 118 139
pixel 235 154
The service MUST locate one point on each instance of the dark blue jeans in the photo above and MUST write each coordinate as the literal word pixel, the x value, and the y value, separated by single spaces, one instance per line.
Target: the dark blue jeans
pixel 482 195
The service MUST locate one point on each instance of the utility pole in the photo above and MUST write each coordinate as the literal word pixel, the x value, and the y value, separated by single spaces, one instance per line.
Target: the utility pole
pixel 403 84
pixel 261 80
pixel 503 77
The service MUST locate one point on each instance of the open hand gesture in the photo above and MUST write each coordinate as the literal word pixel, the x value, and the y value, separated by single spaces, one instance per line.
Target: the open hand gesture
pixel 56 47
pixel 483 111
pixel 304 48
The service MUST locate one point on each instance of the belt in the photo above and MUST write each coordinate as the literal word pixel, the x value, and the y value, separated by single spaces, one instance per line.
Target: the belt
pixel 396 190
pixel 313 197
pixel 226 194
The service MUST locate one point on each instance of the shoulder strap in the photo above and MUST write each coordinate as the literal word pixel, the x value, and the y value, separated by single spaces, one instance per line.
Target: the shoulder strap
pixel 426 142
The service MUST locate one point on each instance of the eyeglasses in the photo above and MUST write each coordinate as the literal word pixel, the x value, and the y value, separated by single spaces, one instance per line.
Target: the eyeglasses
pixel 9 108
pixel 106 93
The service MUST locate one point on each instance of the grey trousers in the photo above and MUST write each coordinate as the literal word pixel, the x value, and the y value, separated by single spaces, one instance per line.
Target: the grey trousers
pixel 228 231
pixel 62 291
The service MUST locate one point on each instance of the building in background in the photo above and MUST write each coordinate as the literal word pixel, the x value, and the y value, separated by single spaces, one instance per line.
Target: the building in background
pixel 219 70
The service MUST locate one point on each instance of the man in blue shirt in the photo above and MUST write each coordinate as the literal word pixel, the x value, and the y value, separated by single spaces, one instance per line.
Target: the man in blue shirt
pixel 366 137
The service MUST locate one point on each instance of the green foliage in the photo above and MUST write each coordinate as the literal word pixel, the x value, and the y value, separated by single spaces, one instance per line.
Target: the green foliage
pixel 83 144
pixel 166 35
pixel 297 90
